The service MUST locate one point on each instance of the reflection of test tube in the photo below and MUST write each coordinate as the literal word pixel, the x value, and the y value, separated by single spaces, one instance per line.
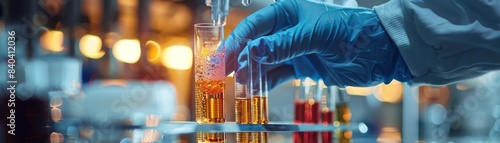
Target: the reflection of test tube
pixel 259 137
pixel 210 137
pixel 209 73
pixel 251 137
pixel 328 110
pixel 244 137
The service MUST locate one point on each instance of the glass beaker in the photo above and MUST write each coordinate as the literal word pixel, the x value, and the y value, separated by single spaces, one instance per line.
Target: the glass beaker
pixel 209 73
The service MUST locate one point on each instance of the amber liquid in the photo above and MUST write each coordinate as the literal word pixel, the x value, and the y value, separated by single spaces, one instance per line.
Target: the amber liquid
pixel 298 118
pixel 209 101
pixel 311 116
pixel 202 137
pixel 259 137
pixel 344 118
pixel 242 110
pixel 327 119
pixel 245 137
pixel 259 110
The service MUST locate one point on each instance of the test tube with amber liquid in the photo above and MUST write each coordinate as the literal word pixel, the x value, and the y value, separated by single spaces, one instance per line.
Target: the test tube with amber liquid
pixel 244 137
pixel 210 137
pixel 259 137
pixel 243 86
pixel 343 117
pixel 328 111
pixel 259 96
pixel 209 73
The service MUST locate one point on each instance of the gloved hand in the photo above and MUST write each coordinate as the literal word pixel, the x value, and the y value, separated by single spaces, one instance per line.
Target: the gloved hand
pixel 302 38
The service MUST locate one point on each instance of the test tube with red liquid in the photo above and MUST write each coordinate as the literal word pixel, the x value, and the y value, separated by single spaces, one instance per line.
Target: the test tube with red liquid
pixel 328 102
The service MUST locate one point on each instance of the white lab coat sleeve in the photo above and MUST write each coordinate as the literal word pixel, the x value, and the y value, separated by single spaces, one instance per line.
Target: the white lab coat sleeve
pixel 444 41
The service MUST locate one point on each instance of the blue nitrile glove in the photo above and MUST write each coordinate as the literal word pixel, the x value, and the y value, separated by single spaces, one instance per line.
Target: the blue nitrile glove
pixel 303 38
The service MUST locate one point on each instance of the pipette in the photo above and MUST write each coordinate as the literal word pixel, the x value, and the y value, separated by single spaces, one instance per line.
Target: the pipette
pixel 220 9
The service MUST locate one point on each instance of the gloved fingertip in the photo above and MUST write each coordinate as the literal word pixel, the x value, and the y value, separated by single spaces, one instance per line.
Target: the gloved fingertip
pixel 257 49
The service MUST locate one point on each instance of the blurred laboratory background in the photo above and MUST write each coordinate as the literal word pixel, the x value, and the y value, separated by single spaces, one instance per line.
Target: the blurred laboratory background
pixel 102 70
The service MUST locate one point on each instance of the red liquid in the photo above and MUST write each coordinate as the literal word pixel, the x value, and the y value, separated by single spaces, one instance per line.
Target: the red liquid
pixel 312 116
pixel 299 111
pixel 298 118
pixel 311 112
pixel 327 118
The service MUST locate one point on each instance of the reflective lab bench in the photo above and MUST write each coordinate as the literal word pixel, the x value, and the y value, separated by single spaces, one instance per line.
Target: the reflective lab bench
pixel 185 131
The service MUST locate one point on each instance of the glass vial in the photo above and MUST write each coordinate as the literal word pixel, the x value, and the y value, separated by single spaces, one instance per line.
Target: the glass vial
pixel 343 116
pixel 328 103
pixel 251 90
pixel 243 96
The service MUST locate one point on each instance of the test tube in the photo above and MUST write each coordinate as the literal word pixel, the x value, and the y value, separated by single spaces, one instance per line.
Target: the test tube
pixel 210 137
pixel 259 96
pixel 242 92
pixel 311 108
pixel 343 116
pixel 328 110
pixel 259 137
pixel 246 2
pixel 251 91
pixel 298 109
pixel 209 73
pixel 244 137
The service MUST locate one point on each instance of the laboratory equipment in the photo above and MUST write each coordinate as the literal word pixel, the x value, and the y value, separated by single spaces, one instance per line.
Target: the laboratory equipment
pixel 311 108
pixel 259 97
pixel 219 10
pixel 307 103
pixel 259 137
pixel 343 116
pixel 243 94
pixel 328 110
pixel 298 109
pixel 251 91
pixel 209 73
pixel 210 137
pixel 244 137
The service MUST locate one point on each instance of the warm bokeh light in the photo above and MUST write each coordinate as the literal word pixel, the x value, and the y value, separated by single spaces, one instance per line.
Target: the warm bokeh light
pixel 56 137
pixel 178 117
pixel 178 57
pixel 115 82
pixel 359 91
pixel 110 39
pixel 296 82
pixel 56 101
pixel 86 132
pixel 52 41
pixel 127 50
pixel 56 114
pixel 461 86
pixel 392 92
pixel 389 135
pixel 150 136
pixel 90 46
pixel 433 94
pixel 152 120
pixel 154 51
pixel 162 13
